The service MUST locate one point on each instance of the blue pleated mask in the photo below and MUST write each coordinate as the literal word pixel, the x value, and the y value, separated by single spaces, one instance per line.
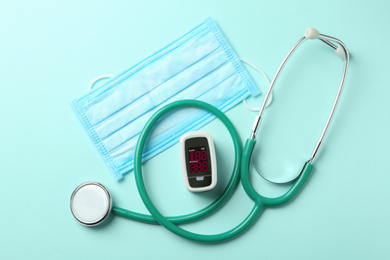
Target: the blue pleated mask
pixel 199 65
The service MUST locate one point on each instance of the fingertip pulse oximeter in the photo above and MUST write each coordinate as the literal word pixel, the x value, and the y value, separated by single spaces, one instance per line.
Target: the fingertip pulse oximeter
pixel 198 161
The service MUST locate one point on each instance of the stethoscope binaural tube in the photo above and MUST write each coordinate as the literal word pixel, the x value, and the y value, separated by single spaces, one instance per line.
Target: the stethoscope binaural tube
pixel 342 52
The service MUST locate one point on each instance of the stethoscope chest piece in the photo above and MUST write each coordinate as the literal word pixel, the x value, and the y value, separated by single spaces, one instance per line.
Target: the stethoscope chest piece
pixel 91 203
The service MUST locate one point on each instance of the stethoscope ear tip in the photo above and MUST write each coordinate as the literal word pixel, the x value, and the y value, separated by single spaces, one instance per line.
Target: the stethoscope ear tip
pixel 340 52
pixel 312 33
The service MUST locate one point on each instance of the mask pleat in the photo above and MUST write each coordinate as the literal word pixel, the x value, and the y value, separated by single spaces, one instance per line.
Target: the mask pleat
pixel 193 90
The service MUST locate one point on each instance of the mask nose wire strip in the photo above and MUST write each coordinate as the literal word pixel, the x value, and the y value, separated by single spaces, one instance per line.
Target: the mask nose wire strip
pixel 96 80
pixel 268 84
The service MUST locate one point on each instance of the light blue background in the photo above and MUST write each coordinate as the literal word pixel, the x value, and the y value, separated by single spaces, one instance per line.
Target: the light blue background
pixel 51 50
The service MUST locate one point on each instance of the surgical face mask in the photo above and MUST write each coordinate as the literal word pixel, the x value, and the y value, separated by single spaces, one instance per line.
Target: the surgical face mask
pixel 199 65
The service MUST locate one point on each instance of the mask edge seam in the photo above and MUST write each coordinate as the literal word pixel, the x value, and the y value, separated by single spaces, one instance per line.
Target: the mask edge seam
pixel 96 140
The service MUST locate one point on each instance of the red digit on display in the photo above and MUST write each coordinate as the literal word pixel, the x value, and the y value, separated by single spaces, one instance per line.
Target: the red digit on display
pixel 192 167
pixel 199 167
pixel 205 167
pixel 197 155
pixel 204 155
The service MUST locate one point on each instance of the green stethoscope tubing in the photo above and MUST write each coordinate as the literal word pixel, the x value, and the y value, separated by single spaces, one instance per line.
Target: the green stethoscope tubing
pixel 227 192
pixel 171 222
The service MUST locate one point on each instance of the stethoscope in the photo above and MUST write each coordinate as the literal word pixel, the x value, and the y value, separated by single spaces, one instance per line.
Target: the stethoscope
pixel 92 193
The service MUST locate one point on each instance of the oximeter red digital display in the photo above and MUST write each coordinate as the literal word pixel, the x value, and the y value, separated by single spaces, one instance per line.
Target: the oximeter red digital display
pixel 198 159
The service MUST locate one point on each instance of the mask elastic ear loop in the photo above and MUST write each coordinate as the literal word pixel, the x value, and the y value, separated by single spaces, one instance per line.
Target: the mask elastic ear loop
pixel 266 78
pixel 257 109
pixel 93 82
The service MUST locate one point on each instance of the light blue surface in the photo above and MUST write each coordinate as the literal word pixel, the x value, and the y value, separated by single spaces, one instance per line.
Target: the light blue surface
pixel 49 53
